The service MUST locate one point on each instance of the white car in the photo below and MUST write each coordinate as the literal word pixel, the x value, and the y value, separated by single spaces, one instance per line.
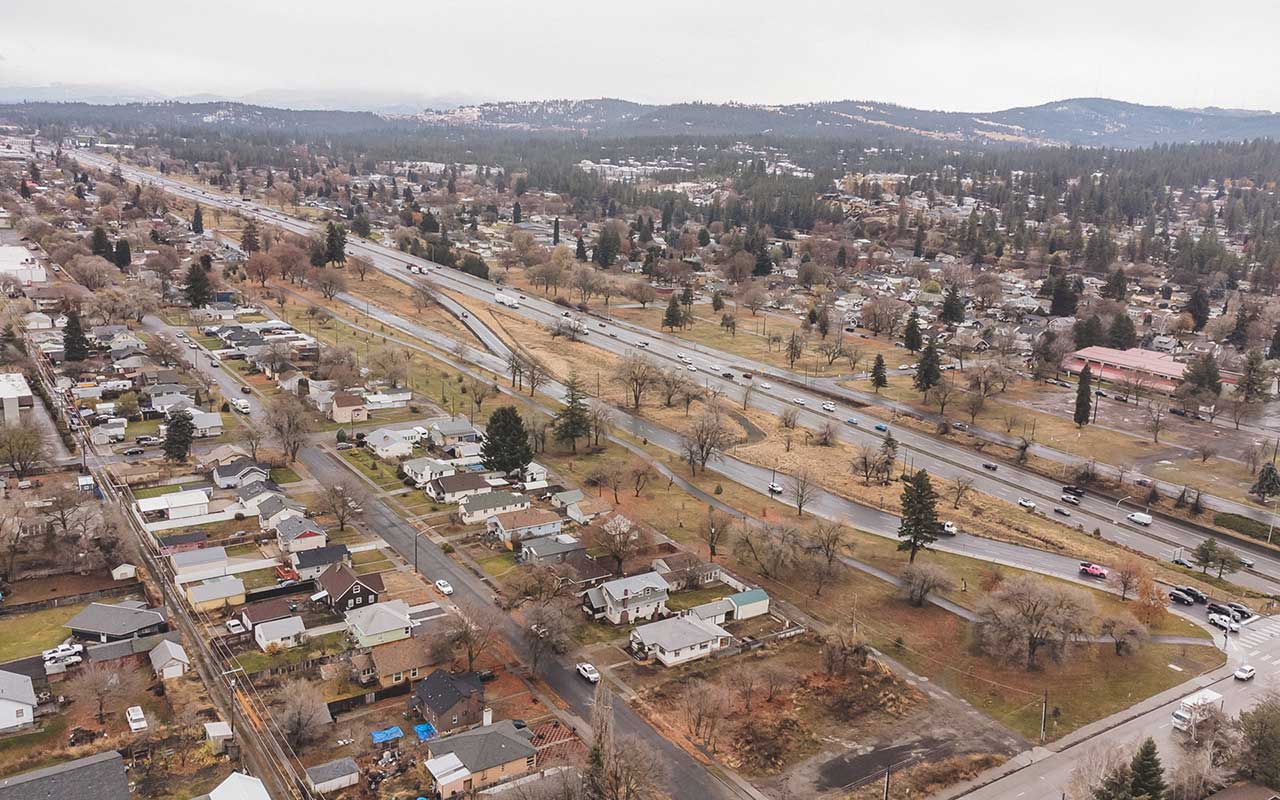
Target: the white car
pixel 66 662
pixel 1224 622
pixel 444 586
pixel 714 368
pixel 137 719
pixel 828 406
pixel 950 527
pixel 192 346
pixel 1026 503
pixel 798 400
pixel 692 368
pixel 62 651
pixel 904 366
pixel 235 626
pixel 766 386
pixel 775 488
pixel 1245 673
pixel 589 672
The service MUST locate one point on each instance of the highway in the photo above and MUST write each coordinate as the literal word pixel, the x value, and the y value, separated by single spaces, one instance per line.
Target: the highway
pixel 772 390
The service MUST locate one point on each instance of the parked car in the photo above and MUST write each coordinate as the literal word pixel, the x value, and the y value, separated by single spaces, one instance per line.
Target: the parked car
pixel 146 441
pixel 1194 594
pixel 345 445
pixel 1180 561
pixel 1244 673
pixel 444 586
pixel 235 626
pixel 62 651
pixel 589 672
pixel 1178 597
pixel 1223 622
pixel 1027 503
pixel 137 719
pixel 1091 570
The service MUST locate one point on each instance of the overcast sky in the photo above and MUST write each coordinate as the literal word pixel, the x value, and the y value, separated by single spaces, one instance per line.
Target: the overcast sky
pixel 950 54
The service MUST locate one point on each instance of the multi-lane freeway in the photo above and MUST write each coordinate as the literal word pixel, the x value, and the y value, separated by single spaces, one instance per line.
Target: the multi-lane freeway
pixel 772 389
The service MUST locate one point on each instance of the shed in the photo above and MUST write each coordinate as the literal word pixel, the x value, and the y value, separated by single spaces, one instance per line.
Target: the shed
pixel 748 604
pixel 219 733
pixel 333 775
pixel 124 572
pixel 169 660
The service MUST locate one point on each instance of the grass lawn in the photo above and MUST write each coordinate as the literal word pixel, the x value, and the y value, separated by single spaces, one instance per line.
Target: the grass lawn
pixel 145 427
pixel 28 634
pixel 497 563
pixel 696 597
pixel 47 738
pixel 157 491
pixel 369 557
pixel 258 578
pixel 591 633
pixel 376 566
pixel 330 643
pixel 283 475
pixel 246 549
pixel 380 472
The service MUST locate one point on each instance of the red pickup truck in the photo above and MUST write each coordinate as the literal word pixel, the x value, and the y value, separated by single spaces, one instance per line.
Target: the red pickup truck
pixel 1092 570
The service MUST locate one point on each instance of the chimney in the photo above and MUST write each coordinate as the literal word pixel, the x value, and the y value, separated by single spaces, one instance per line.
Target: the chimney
pixel 488 717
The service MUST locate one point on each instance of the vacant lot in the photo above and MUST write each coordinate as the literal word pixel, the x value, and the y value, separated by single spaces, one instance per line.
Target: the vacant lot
pixel 28 634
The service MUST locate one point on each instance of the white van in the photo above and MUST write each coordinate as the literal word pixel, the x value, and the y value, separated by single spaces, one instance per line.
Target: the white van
pixel 1140 518
pixel 241 405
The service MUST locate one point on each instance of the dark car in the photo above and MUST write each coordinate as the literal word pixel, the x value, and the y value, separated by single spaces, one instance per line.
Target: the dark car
pixel 1078 491
pixel 134 451
pixel 1178 597
pixel 246 390
pixel 1194 594
pixel 884 428
pixel 987 465
pixel 1219 608
pixel 1182 562
pixel 1240 608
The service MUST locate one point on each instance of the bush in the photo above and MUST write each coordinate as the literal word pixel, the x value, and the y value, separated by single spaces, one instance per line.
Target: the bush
pixel 560 301
pixel 719 489
pixel 1243 525
pixel 226 407
pixel 446 548
pixel 342 435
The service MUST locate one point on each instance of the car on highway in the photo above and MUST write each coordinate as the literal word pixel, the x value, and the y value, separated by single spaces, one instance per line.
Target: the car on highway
pixel 692 368
pixel 1180 561
pixel 1245 560
pixel 775 488
pixel 1244 673
pixel 134 451
pixel 1027 503
pixel 444 587
pixel 1070 499
pixel 600 324
pixel 766 386
pixel 1194 593
pixel 714 368
pixel 904 367
pixel 589 672
pixel 1223 622
pixel 851 421
pixel 798 401
pixel 1078 491
pixel 882 428
pixel 1181 598
pixel 1139 518
pixel 987 465
pixel 1091 570
pixel 828 406
pixel 1061 511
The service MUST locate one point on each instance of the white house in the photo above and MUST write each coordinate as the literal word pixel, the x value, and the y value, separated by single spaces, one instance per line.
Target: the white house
pixel 625 600
pixel 283 633
pixel 207 424
pixel 17 701
pixel 679 639
pixel 424 470
pixel 479 507
pixel 169 660
pixel 389 445
pixel 15 395
pixel 455 488
pixel 379 401
pixel 239 786
pixel 295 534
pixel 238 473
pixel 176 505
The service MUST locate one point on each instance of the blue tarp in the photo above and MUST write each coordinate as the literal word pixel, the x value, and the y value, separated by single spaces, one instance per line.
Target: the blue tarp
pixel 389 735
pixel 425 731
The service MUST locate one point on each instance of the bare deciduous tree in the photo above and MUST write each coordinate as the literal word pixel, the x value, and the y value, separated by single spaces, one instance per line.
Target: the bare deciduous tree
pixel 717 528
pixel 471 636
pixel 1124 631
pixel 638 375
pixel 303 713
pixel 921 580
pixel 340 502
pixel 804 489
pixel 1026 616
pixel 1127 576
pixel 619 540
pixel 705 439
pixel 106 687
pixel 770 548
pixel 21 448
pixel 289 421
pixel 959 488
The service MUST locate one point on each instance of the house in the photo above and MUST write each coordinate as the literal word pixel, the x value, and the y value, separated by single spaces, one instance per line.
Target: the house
pixel 310 563
pixel 265 611
pixel 676 640
pixel 479 507
pixel 204 563
pixel 181 542
pixel 550 549
pixel 379 623
pixel 237 473
pixel 626 600
pixel 514 527
pixel 276 509
pixel 344 590
pixel 333 776
pixel 109 432
pixel 216 593
pixel 295 534
pixel 567 498
pixel 452 431
pixel 426 469
pixel 169 660
pixel 534 476
pixel 17 701
pixel 684 570
pixel 223 454
pixel 455 488
pixel 748 604
pixel 398 662
pixel 587 510
pixel 207 424
pixel 104 772
pixel 346 408
pixel 388 444
pixel 281 633
pixel 175 505
pixel 238 786
pixel 449 701
pixel 252 494
pixel 381 401
pixel 15 396
pixel 104 622
pixel 466 762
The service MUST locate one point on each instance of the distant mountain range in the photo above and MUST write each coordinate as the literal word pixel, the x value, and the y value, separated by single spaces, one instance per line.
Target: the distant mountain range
pixel 1096 122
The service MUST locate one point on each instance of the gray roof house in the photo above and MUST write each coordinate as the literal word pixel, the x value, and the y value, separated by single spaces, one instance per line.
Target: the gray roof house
pixel 238 473
pixel 486 747
pixel 71 780
pixel 479 507
pixel 628 599
pixel 17 688
pixel 291 532
pixel 103 622
pixel 333 775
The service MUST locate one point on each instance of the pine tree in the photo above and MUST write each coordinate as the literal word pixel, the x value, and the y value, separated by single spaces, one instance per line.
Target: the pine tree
pixel 1084 397
pixel 124 254
pixel 1267 484
pixel 1203 374
pixel 764 264
pixel 1064 299
pixel 572 422
pixel 197 221
pixel 101 243
pixel 335 244
pixel 1254 376
pixel 178 435
pixel 878 377
pixel 674 316
pixel 75 346
pixel 1198 307
pixel 918 250
pixel 506 442
pixel 1147 772
pixel 952 307
pixel 911 338
pixel 1274 350
pixel 555 232
pixel 581 252
pixel 1087 332
pixel 929 369
pixel 1117 286
pixel 515 214
pixel 197 293
pixel 919 526
pixel 704 239
pixel 249 237
pixel 1123 335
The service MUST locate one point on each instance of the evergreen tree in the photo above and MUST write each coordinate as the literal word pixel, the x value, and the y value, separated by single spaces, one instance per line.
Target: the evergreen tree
pixel 178 435
pixel 1202 373
pixel 555 232
pixel 878 377
pixel 1115 786
pixel 674 316
pixel 335 244
pixel 1267 484
pixel 1198 307
pixel 572 422
pixel 197 293
pixel 1147 772
pixel 918 250
pixel 704 239
pixel 581 253
pixel 1117 286
pixel 197 221
pixel 764 264
pixel 919 526
pixel 75 346
pixel 1064 299
pixel 249 237
pixel 1123 335
pixel 911 338
pixel 929 369
pixel 101 243
pixel 952 307
pixel 1087 332
pixel 1274 350
pixel 515 214
pixel 506 442
pixel 124 254
pixel 1254 377
pixel 1084 397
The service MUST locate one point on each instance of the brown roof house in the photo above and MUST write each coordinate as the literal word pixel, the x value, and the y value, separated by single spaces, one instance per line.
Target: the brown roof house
pixel 347 590
pixel 348 408
pixel 396 662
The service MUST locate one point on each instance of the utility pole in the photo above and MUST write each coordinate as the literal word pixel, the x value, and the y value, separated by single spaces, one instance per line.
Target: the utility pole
pixel 1044 714
pixel 886 783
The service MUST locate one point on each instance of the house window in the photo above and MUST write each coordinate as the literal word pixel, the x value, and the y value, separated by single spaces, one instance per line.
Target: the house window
pixel 413 673
pixel 359 600
pixel 19 713
pixel 455 719
pixel 396 678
